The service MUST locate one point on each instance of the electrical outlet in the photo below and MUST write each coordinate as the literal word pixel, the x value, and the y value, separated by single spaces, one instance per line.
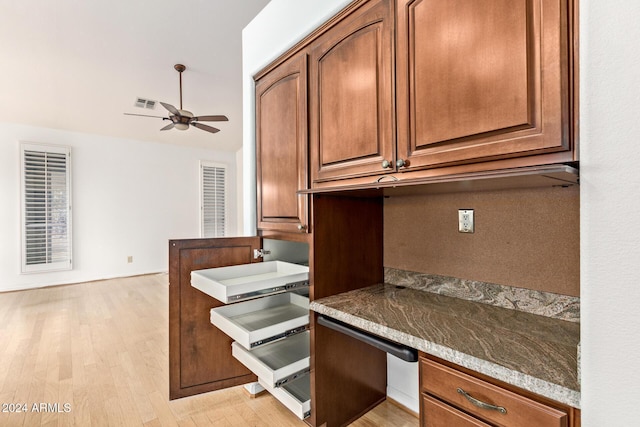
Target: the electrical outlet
pixel 465 221
pixel 129 259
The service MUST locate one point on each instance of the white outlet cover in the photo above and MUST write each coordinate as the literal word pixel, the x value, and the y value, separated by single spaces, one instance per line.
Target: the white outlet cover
pixel 466 223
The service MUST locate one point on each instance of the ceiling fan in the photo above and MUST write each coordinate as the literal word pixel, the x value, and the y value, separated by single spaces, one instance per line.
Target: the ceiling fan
pixel 181 119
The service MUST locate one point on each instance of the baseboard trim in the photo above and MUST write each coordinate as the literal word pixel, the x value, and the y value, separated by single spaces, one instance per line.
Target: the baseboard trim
pixel 403 407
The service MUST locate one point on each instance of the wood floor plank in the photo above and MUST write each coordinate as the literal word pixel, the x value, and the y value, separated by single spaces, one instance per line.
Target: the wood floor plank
pixel 102 348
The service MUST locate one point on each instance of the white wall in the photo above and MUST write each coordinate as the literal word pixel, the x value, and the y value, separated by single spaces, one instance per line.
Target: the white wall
pixel 129 198
pixel 610 211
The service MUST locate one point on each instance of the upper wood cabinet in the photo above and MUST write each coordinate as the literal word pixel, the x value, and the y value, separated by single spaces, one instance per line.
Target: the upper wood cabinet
pixel 281 147
pixel 436 88
pixel 482 79
pixel 351 94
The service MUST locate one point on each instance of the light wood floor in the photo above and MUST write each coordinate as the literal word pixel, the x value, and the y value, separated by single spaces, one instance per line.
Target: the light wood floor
pixel 99 351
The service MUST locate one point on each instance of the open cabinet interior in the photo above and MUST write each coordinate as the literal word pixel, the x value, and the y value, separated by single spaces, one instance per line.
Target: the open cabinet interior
pixel 321 375
pixel 348 376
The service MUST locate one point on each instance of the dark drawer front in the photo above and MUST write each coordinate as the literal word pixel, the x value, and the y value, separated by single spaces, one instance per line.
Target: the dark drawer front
pixel 486 401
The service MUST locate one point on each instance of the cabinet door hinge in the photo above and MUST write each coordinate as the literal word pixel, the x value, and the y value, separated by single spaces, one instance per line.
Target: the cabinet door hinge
pixel 260 253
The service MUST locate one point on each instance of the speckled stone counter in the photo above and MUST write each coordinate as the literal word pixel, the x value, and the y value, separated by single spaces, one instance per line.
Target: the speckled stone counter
pixel 530 351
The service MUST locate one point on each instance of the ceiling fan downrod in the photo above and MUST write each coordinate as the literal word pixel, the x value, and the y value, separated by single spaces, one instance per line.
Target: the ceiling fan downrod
pixel 180 68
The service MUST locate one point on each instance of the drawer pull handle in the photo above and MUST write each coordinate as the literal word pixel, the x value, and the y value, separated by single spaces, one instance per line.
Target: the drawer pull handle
pixel 391 178
pixel 481 404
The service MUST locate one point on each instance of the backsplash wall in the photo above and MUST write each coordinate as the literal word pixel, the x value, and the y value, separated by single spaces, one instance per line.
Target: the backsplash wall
pixel 527 238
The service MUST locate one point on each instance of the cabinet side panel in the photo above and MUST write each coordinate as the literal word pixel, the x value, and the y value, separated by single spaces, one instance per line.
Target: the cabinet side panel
pixel 348 379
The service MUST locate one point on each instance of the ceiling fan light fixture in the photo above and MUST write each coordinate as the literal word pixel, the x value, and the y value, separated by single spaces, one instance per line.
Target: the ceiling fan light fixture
pixel 182 119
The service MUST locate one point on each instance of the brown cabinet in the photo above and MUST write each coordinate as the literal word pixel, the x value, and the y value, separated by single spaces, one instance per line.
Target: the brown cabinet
pixel 438 88
pixel 482 80
pixel 450 396
pixel 351 117
pixel 281 147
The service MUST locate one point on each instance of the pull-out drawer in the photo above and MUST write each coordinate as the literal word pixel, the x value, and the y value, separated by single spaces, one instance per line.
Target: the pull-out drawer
pixel 486 401
pixel 247 281
pixel 263 320
pixel 295 395
pixel 279 362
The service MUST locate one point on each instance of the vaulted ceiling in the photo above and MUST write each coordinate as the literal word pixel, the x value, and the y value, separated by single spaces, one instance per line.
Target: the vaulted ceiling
pixel 79 65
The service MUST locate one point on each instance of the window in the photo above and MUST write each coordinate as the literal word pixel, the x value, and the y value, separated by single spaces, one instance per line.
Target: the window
pixel 213 205
pixel 46 208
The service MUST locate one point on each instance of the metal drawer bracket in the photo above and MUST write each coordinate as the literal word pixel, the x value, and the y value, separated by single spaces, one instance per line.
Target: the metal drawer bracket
pixel 269 291
pixel 285 334
pixel 292 377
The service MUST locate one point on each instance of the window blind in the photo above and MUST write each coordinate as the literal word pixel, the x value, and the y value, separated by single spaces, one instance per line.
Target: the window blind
pixel 46 208
pixel 213 206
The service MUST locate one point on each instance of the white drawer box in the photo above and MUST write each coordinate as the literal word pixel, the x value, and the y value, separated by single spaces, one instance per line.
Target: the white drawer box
pixel 295 395
pixel 278 362
pixel 247 281
pixel 263 320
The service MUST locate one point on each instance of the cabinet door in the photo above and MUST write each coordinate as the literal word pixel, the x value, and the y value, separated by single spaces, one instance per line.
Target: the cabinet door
pixel 281 147
pixel 481 79
pixel 351 95
pixel 200 357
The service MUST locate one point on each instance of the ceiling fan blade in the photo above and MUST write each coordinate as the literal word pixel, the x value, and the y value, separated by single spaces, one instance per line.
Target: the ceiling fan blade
pixel 205 127
pixel 143 115
pixel 211 118
pixel 171 108
pixel 169 126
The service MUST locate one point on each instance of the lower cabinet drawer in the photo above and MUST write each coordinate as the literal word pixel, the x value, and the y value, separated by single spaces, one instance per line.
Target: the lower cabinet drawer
pixel 263 320
pixel 438 414
pixel 278 362
pixel 295 395
pixel 486 401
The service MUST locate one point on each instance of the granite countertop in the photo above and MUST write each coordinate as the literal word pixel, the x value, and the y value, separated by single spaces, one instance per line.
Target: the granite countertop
pixel 530 351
